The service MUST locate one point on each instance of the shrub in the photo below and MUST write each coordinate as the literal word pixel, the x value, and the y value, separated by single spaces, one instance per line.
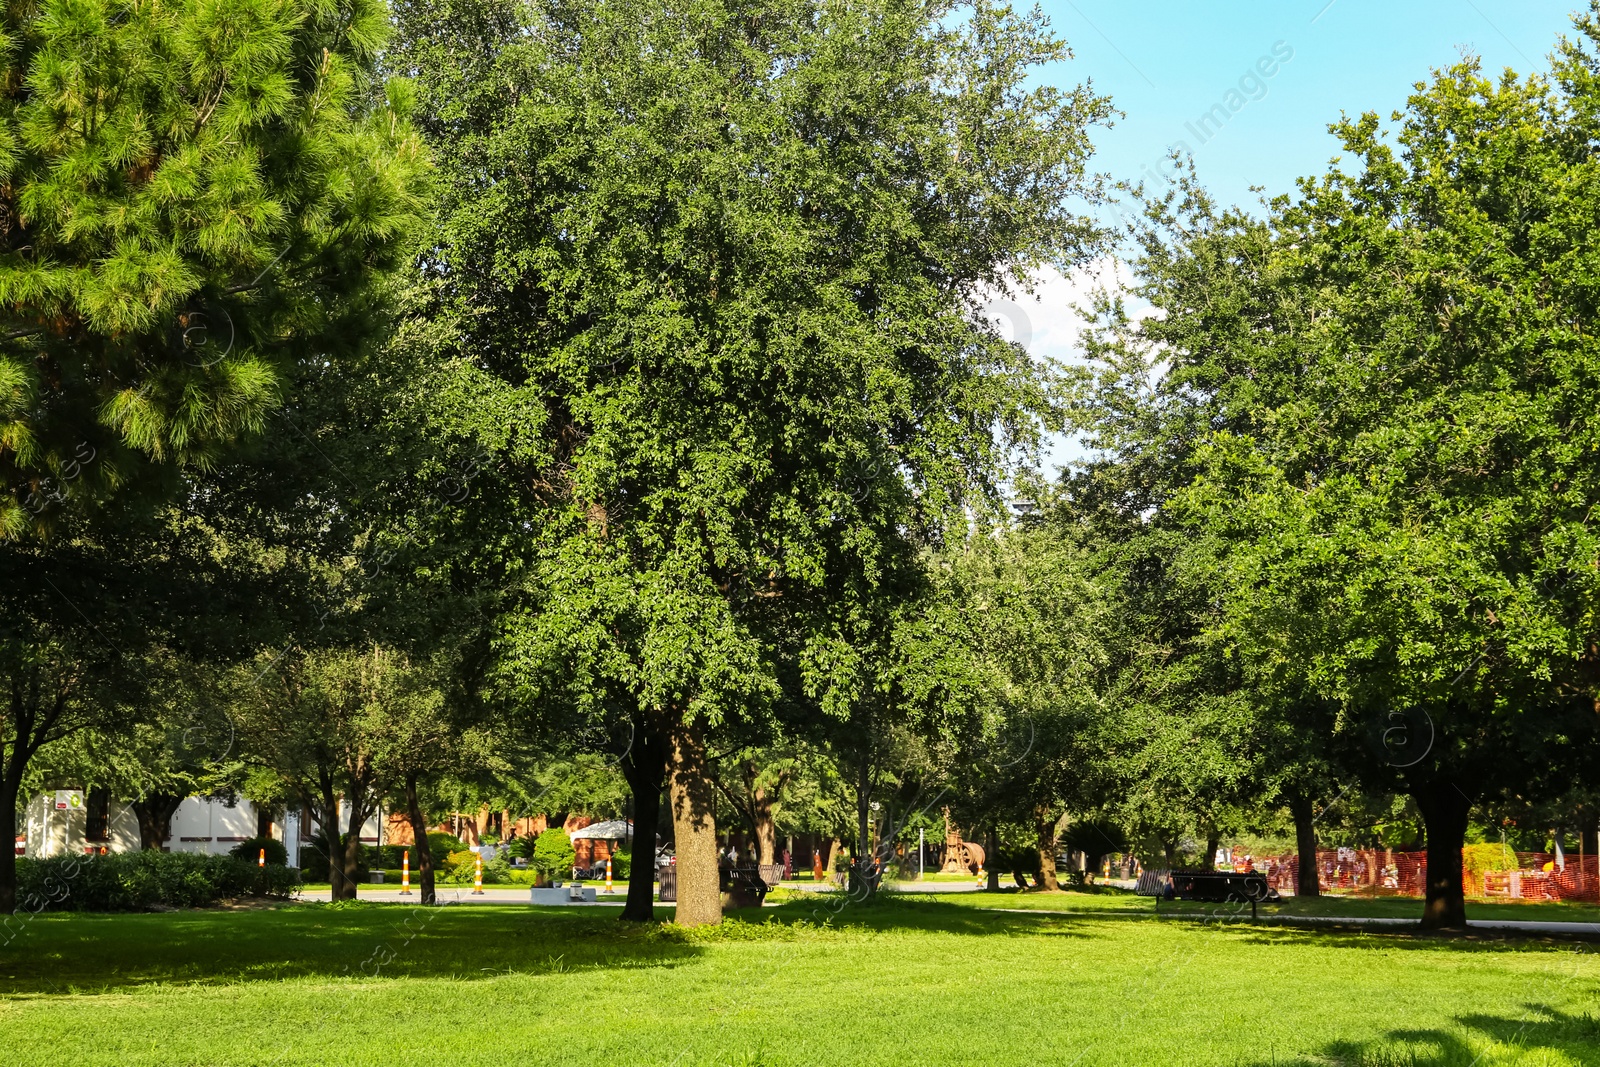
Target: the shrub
pixel 1476 860
pixel 460 868
pixel 554 853
pixel 134 881
pixel 522 847
pixel 275 881
pixel 441 845
pixel 250 851
pixel 621 865
pixel 389 857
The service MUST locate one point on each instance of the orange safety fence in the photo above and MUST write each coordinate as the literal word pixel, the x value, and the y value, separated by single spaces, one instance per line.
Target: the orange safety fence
pixel 1486 873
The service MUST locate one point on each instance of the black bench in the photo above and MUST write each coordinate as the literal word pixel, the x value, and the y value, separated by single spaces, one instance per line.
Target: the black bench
pixel 747 880
pixel 1217 887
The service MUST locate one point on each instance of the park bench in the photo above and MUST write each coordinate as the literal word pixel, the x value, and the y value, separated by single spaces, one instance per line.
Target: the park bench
pixel 752 881
pixel 744 880
pixel 1218 887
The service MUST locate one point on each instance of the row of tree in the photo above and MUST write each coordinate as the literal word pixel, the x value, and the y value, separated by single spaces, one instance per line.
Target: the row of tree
pixel 600 376
pixel 461 401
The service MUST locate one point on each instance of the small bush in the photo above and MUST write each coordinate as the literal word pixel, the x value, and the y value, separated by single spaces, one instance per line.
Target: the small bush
pixel 275 881
pixel 250 851
pixel 389 857
pixel 135 881
pixel 554 854
pixel 621 865
pixel 460 868
pixel 441 845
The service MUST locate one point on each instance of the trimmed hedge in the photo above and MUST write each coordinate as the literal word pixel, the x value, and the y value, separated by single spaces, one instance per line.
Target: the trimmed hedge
pixel 137 881
pixel 250 851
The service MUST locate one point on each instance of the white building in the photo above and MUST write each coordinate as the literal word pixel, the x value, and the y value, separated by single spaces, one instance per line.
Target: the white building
pixel 201 824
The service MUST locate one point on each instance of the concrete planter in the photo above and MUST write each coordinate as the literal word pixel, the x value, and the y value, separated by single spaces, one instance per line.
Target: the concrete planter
pixel 565 895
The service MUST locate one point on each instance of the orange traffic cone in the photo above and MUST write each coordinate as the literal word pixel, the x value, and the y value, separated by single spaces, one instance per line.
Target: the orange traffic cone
pixel 405 873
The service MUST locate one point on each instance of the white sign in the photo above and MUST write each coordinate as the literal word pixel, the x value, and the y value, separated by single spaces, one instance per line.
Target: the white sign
pixel 69 799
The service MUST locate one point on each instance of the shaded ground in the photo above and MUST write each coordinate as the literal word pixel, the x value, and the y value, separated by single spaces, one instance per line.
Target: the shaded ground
pixel 1107 901
pixel 936 981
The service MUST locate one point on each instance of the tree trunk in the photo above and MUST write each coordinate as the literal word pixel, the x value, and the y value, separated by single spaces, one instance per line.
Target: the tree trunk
pixel 861 883
pixel 263 821
pixel 10 787
pixel 766 828
pixel 991 841
pixel 645 768
pixel 419 842
pixel 1208 862
pixel 351 855
pixel 1444 812
pixel 694 826
pixel 834 845
pixel 1046 825
pixel 154 812
pixel 360 808
pixel 326 812
pixel 1307 884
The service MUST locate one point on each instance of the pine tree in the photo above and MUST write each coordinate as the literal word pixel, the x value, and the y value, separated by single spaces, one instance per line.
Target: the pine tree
pixel 193 195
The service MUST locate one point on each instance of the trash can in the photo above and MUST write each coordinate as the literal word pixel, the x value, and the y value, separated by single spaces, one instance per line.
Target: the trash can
pixel 667 875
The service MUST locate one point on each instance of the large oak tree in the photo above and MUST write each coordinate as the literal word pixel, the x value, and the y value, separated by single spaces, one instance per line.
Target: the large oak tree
pixel 727 257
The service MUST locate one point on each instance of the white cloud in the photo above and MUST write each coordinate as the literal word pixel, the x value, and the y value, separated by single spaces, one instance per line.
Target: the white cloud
pixel 1050 324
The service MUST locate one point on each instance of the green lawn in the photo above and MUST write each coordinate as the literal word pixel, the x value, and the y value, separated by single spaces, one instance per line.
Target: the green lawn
pixel 907 980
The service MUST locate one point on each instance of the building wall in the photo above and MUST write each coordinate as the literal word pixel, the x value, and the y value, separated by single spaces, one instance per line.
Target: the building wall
pixel 200 824
pixel 213 826
pixel 203 824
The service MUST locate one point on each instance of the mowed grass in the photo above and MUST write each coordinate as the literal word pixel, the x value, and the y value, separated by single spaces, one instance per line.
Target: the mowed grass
pixel 810 983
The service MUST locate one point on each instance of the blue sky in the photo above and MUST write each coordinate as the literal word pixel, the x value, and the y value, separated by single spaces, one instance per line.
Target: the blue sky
pixel 1165 63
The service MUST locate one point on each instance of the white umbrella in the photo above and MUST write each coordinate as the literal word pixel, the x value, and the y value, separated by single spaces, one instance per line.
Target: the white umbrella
pixel 610 830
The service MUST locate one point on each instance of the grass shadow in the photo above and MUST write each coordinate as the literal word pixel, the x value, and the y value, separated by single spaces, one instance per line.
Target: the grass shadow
pixel 1542 1028
pixel 76 953
pixel 1403 938
pixel 87 953
pixel 908 912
